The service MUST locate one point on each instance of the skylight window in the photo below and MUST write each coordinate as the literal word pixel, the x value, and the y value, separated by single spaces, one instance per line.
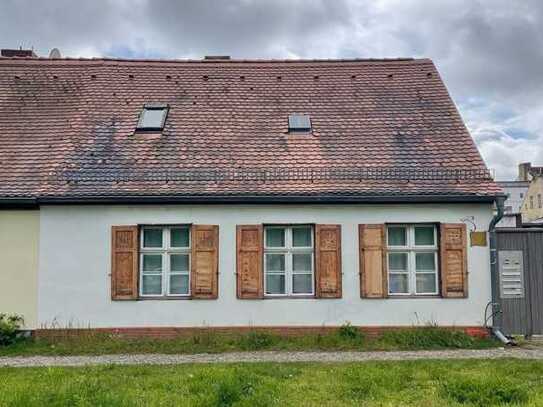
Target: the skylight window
pixel 153 117
pixel 299 123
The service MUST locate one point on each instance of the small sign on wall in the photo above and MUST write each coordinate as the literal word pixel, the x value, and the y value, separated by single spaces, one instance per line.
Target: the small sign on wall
pixel 478 238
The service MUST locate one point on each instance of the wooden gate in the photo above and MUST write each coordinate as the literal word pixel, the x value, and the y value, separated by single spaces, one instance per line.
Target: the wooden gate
pixel 519 286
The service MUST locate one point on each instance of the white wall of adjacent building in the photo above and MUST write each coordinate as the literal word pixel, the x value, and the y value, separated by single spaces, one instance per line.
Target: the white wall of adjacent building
pixel 75 266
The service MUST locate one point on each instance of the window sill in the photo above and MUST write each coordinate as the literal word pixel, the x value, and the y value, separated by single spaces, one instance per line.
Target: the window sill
pixel 413 296
pixel 289 297
pixel 163 298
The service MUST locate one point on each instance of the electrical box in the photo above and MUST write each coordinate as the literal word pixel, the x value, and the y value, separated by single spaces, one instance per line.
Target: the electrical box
pixel 511 273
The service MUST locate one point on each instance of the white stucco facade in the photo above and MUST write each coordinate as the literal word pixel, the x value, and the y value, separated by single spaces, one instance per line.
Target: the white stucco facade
pixel 75 263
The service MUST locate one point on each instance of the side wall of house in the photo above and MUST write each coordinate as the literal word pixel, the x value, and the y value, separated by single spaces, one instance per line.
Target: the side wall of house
pixel 75 266
pixel 19 241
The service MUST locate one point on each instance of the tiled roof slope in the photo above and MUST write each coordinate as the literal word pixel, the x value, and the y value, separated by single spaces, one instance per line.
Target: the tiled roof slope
pixel 67 128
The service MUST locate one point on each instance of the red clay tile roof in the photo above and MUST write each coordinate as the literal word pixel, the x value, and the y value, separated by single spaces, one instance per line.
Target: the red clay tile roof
pixel 67 130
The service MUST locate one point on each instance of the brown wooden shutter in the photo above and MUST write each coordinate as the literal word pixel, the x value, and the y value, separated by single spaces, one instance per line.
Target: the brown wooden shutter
pixel 373 271
pixel 124 262
pixel 454 262
pixel 205 261
pixel 250 276
pixel 328 274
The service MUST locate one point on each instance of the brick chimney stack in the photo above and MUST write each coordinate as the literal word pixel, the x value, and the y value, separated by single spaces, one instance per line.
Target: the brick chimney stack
pixel 22 53
pixel 524 171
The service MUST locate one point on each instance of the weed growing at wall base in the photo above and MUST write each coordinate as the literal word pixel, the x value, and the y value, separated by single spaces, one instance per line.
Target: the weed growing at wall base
pixel 344 338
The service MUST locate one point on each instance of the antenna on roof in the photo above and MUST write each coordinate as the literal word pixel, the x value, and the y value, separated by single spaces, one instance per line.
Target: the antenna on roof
pixel 55 53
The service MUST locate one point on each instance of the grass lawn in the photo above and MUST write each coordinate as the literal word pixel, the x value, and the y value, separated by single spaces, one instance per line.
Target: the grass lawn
pixel 409 383
pixel 345 338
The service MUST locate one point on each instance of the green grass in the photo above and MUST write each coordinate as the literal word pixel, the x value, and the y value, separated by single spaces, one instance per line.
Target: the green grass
pixel 345 338
pixel 413 383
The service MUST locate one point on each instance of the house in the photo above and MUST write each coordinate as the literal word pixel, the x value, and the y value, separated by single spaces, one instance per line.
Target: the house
pixel 532 204
pixel 152 196
pixel 515 191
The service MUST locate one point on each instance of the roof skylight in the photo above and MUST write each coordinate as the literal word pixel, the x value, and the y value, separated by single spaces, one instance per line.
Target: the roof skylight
pixel 153 117
pixel 299 123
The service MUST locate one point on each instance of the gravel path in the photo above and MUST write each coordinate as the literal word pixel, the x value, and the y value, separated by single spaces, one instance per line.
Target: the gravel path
pixel 159 359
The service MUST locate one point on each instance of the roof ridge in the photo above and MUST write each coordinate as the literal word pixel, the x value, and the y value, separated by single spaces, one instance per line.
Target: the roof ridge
pixel 217 61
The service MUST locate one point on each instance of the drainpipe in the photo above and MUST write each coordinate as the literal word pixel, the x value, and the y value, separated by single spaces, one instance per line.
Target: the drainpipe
pixel 496 319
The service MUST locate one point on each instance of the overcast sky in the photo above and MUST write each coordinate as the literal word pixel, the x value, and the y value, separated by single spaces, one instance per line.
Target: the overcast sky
pixel 490 53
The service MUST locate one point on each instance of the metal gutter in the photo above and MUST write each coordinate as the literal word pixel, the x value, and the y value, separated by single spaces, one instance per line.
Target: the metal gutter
pixel 263 199
pixel 18 203
pixel 496 315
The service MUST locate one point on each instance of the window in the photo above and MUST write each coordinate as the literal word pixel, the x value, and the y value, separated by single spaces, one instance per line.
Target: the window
pixel 153 117
pixel 288 260
pixel 521 195
pixel 539 203
pixel 299 123
pixel 412 260
pixel 531 202
pixel 165 261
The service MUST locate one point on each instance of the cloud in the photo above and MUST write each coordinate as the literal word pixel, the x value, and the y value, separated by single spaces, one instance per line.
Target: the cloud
pixel 489 52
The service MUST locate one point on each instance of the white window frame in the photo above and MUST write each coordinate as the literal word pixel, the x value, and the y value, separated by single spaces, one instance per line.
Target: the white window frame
pixel 165 251
pixel 288 250
pixel 411 250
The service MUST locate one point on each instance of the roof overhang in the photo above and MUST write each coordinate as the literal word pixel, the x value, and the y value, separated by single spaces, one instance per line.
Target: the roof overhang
pixel 265 199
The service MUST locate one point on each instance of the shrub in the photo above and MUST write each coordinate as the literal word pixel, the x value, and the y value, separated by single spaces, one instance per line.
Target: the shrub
pixel 349 332
pixel 9 328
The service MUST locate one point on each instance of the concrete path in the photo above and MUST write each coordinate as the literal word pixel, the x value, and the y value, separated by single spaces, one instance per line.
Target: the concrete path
pixel 159 359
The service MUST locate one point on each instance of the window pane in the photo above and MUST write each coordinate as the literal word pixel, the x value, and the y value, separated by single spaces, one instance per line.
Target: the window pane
pixel 152 262
pixel 179 284
pixel 301 237
pixel 425 261
pixel 275 237
pixel 152 237
pixel 397 261
pixel 426 283
pixel 275 262
pixel 179 262
pixel 152 118
pixel 152 285
pixel 275 283
pixel 397 236
pixel 301 283
pixel 301 262
pixel 180 237
pixel 398 283
pixel 424 236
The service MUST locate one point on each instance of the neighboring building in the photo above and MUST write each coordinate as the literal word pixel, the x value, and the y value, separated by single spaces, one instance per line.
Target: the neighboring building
pixel 531 207
pixel 223 193
pixel 516 192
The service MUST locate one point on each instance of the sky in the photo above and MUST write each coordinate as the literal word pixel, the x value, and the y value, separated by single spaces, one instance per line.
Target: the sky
pixel 489 52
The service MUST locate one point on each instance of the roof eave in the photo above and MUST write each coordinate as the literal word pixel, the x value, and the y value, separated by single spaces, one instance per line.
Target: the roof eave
pixel 265 199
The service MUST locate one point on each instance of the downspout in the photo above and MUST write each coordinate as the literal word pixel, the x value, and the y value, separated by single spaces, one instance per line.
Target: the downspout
pixel 496 316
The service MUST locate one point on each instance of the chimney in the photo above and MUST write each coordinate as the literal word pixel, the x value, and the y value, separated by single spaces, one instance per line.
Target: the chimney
pixel 22 53
pixel 524 171
pixel 217 58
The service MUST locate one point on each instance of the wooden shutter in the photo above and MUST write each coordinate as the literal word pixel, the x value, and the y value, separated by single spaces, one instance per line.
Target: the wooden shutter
pixel 205 261
pixel 328 274
pixel 373 272
pixel 249 261
pixel 454 262
pixel 124 262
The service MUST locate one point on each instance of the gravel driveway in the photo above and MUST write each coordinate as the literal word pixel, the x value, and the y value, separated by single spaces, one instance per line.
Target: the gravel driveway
pixel 158 359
